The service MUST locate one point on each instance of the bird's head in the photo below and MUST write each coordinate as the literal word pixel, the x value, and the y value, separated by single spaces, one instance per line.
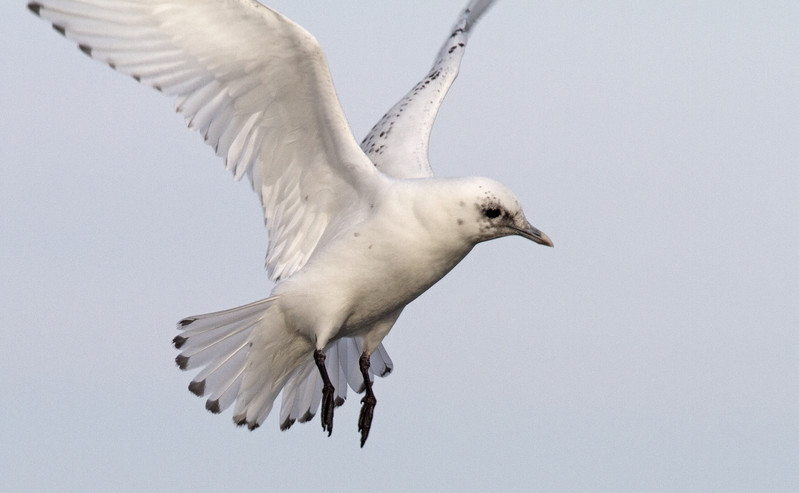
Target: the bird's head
pixel 487 209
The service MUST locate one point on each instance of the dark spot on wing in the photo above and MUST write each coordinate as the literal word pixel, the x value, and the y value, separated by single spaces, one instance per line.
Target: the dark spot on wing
pixel 182 361
pixel 60 29
pixel 455 47
pixel 186 321
pixel 285 425
pixel 85 48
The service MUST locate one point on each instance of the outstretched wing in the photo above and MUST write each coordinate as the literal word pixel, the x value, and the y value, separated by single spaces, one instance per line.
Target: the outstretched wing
pixel 398 143
pixel 258 89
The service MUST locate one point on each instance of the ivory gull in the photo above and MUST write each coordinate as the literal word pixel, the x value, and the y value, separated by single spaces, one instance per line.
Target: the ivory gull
pixel 355 232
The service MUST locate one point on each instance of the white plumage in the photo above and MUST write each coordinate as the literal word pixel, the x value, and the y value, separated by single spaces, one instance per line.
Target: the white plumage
pixel 355 232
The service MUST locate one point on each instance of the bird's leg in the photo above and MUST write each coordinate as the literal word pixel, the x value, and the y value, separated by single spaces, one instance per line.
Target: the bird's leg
pixel 368 402
pixel 327 393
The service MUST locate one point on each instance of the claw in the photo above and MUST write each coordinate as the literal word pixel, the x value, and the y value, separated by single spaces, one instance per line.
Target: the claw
pixel 368 402
pixel 365 420
pixel 327 409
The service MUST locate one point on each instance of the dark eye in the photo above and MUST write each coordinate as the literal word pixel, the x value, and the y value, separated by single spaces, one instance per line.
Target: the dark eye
pixel 492 213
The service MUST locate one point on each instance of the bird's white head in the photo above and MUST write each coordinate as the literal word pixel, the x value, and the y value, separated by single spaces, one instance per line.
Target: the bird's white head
pixel 486 209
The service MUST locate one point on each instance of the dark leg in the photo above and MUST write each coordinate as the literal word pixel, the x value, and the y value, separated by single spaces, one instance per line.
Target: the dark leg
pixel 327 393
pixel 368 402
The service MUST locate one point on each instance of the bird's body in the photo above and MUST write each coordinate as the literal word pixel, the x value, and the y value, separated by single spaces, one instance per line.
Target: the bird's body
pixel 377 265
pixel 354 234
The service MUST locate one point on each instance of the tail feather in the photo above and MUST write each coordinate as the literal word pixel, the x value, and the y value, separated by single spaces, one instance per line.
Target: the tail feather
pixel 191 343
pixel 313 392
pixel 205 336
pixel 247 357
pixel 381 362
pixel 214 350
pixel 259 408
pixel 334 356
pixel 349 364
pixel 214 320
pixel 226 364
pixel 300 389
pixel 226 394
pixel 276 355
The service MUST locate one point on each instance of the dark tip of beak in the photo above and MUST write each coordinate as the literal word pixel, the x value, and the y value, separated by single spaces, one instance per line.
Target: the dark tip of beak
pixel 534 234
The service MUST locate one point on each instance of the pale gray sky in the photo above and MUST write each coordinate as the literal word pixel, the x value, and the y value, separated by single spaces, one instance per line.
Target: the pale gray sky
pixel 655 348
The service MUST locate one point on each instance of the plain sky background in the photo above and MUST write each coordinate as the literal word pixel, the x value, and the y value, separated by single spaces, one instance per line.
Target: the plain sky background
pixel 655 348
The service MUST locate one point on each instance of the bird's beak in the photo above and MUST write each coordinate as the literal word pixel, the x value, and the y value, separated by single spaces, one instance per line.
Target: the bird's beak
pixel 532 233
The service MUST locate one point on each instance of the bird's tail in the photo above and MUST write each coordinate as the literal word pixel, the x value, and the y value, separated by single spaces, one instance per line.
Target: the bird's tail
pixel 248 356
pixel 223 344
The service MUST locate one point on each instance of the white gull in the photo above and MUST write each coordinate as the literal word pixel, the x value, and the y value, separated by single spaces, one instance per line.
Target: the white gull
pixel 355 233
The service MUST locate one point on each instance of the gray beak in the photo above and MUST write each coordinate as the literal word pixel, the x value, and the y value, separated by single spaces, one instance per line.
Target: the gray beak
pixel 534 234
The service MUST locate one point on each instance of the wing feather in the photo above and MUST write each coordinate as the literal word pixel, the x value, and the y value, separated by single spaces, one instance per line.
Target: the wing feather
pixel 398 143
pixel 257 88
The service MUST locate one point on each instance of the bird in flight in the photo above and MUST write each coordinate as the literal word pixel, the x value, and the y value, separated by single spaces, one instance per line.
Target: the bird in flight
pixel 356 232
